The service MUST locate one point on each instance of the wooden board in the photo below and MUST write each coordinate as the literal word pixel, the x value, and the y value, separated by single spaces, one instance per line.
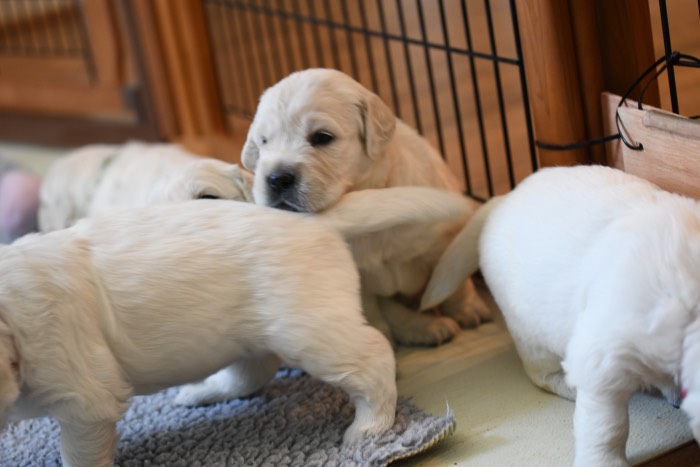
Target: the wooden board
pixel 671 145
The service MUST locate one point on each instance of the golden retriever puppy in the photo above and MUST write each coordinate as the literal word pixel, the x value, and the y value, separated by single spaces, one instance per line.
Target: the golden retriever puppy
pixel 319 134
pixel 168 294
pixel 597 273
pixel 96 179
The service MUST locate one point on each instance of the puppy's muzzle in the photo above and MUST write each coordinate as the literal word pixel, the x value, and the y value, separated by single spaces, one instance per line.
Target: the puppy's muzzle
pixel 283 190
pixel 281 181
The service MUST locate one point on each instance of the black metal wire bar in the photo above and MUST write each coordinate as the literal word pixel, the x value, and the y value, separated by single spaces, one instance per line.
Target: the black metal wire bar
pixel 409 68
pixel 65 42
pixel 287 41
pixel 56 33
pixel 247 62
pixel 219 47
pixel 220 31
pixel 45 44
pixel 274 48
pixel 669 50
pixel 262 40
pixel 368 47
pixel 247 91
pixel 41 29
pixel 22 12
pixel 431 79
pixel 308 24
pixel 315 34
pixel 84 42
pixel 314 20
pixel 301 36
pixel 389 61
pixel 455 96
pixel 523 86
pixel 254 48
pixel 477 97
pixel 17 44
pixel 499 89
pixel 75 36
pixel 348 35
pixel 4 34
pixel 331 36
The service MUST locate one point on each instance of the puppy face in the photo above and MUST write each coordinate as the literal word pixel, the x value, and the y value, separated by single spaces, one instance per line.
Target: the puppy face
pixel 315 134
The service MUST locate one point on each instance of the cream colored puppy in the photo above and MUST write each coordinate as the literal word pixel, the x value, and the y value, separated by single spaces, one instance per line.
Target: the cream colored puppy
pixel 97 179
pixel 318 134
pixel 597 273
pixel 169 294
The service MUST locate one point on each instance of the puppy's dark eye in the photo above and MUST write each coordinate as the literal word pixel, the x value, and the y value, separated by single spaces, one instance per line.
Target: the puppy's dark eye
pixel 320 138
pixel 263 140
pixel 208 197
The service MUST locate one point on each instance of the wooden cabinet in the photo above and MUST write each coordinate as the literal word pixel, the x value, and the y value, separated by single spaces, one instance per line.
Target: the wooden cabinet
pixel 68 73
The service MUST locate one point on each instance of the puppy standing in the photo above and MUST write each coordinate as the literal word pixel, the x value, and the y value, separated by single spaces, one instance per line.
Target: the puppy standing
pixel 597 274
pixel 318 134
pixel 100 178
pixel 160 296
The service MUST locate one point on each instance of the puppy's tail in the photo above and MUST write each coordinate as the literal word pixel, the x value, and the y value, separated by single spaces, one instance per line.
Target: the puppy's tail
pixel 459 261
pixel 373 210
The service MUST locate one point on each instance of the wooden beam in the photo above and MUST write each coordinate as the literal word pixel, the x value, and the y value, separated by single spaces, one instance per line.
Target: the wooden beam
pixel 66 99
pixel 553 81
pixel 627 45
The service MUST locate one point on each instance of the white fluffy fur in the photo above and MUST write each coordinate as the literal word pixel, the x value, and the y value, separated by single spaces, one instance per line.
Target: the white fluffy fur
pixel 369 148
pixel 597 273
pixel 99 178
pixel 172 293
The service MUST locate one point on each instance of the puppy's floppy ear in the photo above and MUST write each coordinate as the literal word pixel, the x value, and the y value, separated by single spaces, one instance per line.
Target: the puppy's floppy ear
pixel 378 124
pixel 250 152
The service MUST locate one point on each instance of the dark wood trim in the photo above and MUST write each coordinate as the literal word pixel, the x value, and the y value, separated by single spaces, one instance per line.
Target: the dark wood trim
pixel 686 455
pixel 66 132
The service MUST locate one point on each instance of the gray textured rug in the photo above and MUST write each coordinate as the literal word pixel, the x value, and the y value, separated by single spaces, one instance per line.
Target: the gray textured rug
pixel 294 421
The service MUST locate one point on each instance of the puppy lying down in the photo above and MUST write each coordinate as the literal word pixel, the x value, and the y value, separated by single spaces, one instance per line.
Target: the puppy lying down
pixel 99 178
pixel 318 134
pixel 597 273
pixel 172 293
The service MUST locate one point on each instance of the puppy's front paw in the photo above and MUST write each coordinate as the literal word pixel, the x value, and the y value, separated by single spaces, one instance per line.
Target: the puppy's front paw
pixel 472 315
pixel 357 433
pixel 469 313
pixel 442 329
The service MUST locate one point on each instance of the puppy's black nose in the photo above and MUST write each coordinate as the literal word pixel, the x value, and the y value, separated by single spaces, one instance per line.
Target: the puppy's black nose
pixel 281 181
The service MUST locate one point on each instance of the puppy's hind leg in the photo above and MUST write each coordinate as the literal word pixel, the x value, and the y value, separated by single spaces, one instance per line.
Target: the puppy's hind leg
pixel 544 370
pixel 240 379
pixel 357 358
pixel 86 444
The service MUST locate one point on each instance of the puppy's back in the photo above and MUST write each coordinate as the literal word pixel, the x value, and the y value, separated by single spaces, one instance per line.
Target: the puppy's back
pixel 169 271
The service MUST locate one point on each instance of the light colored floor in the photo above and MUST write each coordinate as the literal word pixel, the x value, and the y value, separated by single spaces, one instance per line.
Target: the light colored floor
pixel 502 418
pixel 32 157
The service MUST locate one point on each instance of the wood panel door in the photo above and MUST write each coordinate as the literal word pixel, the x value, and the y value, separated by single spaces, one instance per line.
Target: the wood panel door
pixel 71 73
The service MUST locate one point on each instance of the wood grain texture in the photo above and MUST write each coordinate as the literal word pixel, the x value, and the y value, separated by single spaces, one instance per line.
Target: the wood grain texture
pixel 671 146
